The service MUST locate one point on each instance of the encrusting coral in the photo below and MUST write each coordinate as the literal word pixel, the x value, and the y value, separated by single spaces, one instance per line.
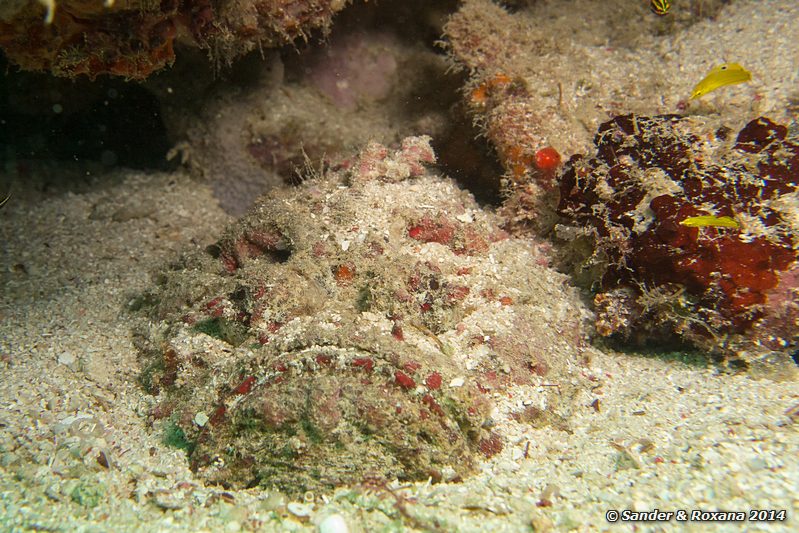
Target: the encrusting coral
pixel 133 38
pixel 693 231
pixel 356 327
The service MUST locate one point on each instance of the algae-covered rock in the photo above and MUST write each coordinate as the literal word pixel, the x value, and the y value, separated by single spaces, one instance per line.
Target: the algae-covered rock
pixel 134 38
pixel 693 234
pixel 358 326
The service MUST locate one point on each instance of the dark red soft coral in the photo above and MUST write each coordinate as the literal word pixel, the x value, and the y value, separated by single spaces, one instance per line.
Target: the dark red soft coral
pixel 652 173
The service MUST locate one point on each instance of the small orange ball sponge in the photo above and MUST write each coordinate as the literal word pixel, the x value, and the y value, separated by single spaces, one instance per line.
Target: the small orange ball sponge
pixel 547 158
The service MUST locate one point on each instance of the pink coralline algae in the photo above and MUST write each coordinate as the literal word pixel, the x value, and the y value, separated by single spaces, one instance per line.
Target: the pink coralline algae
pixel 648 200
pixel 332 335
pixel 378 162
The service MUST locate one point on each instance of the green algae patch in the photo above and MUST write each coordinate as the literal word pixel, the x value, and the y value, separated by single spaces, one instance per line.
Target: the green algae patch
pixel 175 437
pixel 87 493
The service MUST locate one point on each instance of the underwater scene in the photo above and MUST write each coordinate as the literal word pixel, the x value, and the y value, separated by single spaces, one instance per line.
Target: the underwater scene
pixel 399 265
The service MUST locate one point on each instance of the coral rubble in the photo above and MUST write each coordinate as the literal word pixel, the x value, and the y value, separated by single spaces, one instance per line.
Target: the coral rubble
pixel 357 327
pixel 650 202
pixel 134 38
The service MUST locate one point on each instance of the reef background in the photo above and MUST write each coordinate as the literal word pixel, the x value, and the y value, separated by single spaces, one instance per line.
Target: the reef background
pixel 653 432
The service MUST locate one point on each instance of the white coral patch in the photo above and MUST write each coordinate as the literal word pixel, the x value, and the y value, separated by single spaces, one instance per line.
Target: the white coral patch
pixel 787 206
pixel 656 183
pixel 752 227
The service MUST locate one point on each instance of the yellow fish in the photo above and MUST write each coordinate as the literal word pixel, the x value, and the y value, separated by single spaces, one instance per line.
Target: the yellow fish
pixel 4 200
pixel 709 220
pixel 721 76
pixel 660 7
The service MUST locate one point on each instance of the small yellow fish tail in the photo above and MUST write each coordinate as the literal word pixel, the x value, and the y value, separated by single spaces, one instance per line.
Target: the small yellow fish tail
pixel 721 76
pixel 660 7
pixel 49 6
pixel 703 221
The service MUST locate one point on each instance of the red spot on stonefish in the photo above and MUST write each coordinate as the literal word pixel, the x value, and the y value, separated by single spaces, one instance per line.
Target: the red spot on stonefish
pixel 547 158
pixel 218 416
pixel 491 445
pixel 430 402
pixel 411 366
pixel 344 274
pixel 364 362
pixel 213 303
pixel 433 381
pixel 404 380
pixel 245 386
